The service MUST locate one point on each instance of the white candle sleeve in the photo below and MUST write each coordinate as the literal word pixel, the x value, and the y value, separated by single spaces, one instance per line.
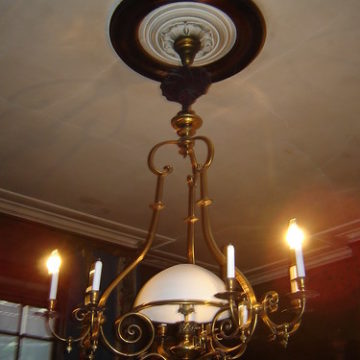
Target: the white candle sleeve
pixel 243 315
pixel 97 276
pixel 300 262
pixel 230 262
pixel 54 286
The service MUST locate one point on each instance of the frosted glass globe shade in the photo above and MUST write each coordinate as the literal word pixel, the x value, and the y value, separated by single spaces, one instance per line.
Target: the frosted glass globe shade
pixel 181 282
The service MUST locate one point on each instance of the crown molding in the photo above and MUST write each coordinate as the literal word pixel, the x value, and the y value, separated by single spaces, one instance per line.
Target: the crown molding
pixel 63 218
pixel 313 259
pixel 337 239
pixel 259 275
pixel 335 247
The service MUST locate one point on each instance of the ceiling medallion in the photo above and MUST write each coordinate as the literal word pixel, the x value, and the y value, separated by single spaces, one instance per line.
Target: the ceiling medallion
pixel 231 33
pixel 214 29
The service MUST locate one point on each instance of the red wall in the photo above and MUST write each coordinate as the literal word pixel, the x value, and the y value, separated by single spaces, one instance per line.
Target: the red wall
pixel 330 327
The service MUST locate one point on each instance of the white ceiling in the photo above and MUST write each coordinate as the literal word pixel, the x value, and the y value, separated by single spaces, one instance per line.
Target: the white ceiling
pixel 76 126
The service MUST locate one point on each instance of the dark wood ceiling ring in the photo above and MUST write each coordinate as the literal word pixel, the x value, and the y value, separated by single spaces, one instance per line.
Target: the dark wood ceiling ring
pixel 247 18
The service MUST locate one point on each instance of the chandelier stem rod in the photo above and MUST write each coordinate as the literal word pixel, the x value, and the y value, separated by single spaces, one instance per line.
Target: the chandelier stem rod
pixel 191 219
pixel 204 202
pixel 157 206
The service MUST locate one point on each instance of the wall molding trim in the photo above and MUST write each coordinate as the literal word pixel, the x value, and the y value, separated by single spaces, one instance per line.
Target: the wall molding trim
pixel 335 242
pixel 63 218
pixel 313 259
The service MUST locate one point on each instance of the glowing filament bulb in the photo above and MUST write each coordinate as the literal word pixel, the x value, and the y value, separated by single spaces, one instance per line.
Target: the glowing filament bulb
pixel 53 263
pixel 295 236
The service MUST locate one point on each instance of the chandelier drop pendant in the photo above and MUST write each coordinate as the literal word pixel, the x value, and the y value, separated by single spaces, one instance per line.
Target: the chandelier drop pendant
pixel 186 312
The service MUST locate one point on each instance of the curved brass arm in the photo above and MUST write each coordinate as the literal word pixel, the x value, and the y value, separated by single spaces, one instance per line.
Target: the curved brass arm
pixel 69 339
pixel 227 329
pixel 167 168
pixel 204 202
pixel 156 206
pixel 284 330
pixel 209 156
pixel 187 149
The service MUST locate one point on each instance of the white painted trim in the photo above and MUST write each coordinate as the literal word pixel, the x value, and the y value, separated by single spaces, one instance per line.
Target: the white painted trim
pixel 276 270
pixel 63 218
pixel 313 260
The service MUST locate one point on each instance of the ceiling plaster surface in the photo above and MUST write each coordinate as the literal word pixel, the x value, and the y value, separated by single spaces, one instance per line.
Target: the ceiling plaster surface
pixel 76 124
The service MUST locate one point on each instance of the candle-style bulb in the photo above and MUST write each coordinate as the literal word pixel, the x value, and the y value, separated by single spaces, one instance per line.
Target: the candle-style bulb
pixel 97 268
pixel 294 236
pixel 53 263
pixel 230 261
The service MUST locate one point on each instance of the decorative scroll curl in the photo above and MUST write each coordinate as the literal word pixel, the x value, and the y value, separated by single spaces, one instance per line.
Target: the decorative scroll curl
pixel 135 333
pixel 271 302
pixel 226 335
pixel 281 331
pixel 80 314
pixel 224 329
pixel 186 146
pixel 167 169
pixel 209 156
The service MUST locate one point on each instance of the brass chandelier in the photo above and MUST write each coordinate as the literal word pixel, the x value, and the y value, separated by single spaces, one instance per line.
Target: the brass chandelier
pixel 185 312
